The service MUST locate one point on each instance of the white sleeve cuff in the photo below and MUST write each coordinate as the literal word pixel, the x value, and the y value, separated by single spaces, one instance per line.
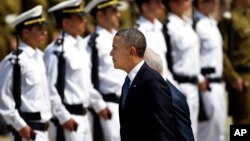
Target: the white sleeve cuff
pixel 100 105
pixel 64 116
pixel 18 123
pixel 201 78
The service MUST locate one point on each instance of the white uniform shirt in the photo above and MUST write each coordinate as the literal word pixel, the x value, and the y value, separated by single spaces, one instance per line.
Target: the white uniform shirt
pixel 78 86
pixel 35 95
pixel 111 79
pixel 185 47
pixel 155 40
pixel 211 44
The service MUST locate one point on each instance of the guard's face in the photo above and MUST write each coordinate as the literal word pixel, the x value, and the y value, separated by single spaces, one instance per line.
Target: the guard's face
pixel 208 5
pixel 155 7
pixel 35 36
pixel 112 17
pixel 120 54
pixel 76 24
pixel 181 5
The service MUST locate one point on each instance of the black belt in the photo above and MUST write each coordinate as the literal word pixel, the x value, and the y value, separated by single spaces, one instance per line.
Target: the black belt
pixel 39 126
pixel 76 109
pixel 242 69
pixel 186 79
pixel 111 97
pixel 34 125
pixel 207 70
pixel 30 116
pixel 215 80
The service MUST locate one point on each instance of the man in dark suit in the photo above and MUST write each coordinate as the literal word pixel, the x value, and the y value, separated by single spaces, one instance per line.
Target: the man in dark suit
pixel 181 110
pixel 146 110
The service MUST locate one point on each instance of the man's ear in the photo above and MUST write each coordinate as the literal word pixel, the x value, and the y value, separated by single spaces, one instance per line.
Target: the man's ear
pixel 99 14
pixel 133 51
pixel 65 22
pixel 25 32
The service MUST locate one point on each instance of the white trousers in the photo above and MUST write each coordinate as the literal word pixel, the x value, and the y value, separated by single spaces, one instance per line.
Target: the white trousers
pixel 40 136
pixel 191 93
pixel 215 106
pixel 82 133
pixel 111 128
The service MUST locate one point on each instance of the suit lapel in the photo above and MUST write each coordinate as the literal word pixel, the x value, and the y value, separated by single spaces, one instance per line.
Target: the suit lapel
pixel 137 80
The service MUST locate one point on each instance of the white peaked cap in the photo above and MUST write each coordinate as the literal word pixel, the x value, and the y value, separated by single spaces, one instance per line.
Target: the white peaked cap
pixel 30 14
pixel 66 5
pixel 99 4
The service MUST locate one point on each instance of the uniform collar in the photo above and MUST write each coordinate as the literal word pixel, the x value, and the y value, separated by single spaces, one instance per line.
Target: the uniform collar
pixel 100 29
pixel 178 20
pixel 29 50
pixel 69 41
pixel 198 15
pixel 149 26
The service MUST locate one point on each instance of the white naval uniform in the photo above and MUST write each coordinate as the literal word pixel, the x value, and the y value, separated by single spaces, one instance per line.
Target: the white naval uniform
pixel 78 86
pixel 156 41
pixel 214 100
pixel 185 52
pixel 35 95
pixel 111 81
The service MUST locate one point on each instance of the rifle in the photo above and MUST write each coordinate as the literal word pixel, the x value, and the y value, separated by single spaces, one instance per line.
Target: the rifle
pixel 169 46
pixel 60 84
pixel 17 79
pixel 94 60
pixel 17 90
pixel 17 85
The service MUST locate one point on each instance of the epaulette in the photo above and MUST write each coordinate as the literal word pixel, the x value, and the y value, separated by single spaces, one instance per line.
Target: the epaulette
pixel 17 52
pixel 227 15
pixel 59 41
pixel 136 26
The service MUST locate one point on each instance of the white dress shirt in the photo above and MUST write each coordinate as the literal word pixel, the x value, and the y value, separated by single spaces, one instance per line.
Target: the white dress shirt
pixel 211 44
pixel 78 86
pixel 111 79
pixel 132 74
pixel 35 95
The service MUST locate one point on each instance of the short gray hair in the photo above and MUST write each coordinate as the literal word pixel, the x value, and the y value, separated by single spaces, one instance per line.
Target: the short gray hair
pixel 135 38
pixel 153 60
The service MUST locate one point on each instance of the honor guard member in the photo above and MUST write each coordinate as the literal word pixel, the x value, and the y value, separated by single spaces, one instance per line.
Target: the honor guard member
pixel 152 28
pixel 66 61
pixel 185 53
pixel 235 29
pixel 212 129
pixel 26 102
pixel 106 79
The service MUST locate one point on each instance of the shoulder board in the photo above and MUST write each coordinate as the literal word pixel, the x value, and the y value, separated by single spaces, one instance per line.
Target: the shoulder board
pixel 59 41
pixel 17 52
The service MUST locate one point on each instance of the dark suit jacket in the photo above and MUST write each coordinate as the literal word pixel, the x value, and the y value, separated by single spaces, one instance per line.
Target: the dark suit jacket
pixel 182 115
pixel 148 113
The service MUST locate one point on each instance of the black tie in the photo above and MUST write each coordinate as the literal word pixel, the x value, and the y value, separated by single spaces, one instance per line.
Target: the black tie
pixel 125 89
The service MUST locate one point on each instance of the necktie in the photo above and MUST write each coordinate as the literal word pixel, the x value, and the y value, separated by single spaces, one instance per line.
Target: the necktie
pixel 125 89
